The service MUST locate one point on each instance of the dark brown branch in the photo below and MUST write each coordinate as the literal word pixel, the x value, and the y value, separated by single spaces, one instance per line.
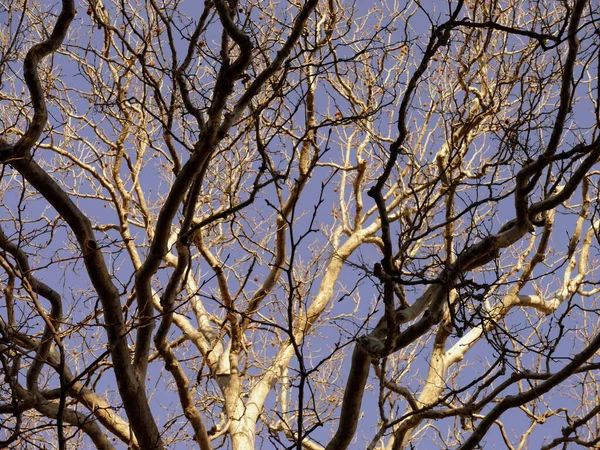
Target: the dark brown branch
pixel 133 393
pixel 48 293
pixel 514 401
pixel 542 38
pixel 32 79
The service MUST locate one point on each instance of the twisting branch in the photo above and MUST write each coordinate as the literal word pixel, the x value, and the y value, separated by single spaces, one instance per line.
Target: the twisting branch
pixel 18 156
pixel 32 79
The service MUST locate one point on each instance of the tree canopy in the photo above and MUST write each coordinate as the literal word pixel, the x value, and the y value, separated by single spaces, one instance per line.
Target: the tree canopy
pixel 299 224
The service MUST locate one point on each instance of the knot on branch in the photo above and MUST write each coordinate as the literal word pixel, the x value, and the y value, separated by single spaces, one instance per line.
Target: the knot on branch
pixel 6 150
pixel 374 346
pixel 91 245
pixel 444 38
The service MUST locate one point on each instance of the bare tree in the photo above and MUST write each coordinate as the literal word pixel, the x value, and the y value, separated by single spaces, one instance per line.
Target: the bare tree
pixel 299 224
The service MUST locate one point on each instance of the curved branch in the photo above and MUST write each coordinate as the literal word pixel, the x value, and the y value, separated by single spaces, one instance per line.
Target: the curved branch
pixel 132 391
pixel 72 417
pixel 513 401
pixel 32 79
